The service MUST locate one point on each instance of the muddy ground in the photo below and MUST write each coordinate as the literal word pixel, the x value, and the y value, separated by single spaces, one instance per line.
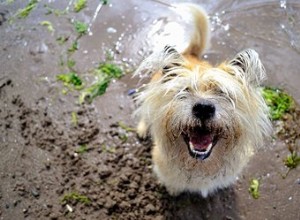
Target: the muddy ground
pixel 53 166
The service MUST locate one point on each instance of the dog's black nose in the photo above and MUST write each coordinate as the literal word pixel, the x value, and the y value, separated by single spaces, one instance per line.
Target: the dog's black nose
pixel 204 110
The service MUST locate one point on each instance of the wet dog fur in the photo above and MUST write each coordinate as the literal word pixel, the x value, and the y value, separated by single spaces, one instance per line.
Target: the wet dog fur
pixel 206 121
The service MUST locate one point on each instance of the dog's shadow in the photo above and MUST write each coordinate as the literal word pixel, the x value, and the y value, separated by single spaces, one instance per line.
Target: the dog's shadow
pixel 187 206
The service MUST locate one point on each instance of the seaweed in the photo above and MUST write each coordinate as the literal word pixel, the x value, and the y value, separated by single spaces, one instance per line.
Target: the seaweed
pixel 54 11
pixel 74 196
pixel 80 27
pixel 70 79
pixel 278 102
pixel 73 47
pixel 292 160
pixel 79 5
pixel 81 149
pixel 254 188
pixel 104 2
pixel 74 118
pixel 125 127
pixel 23 13
pixel 104 74
pixel 71 63
pixel 62 39
pixel 47 24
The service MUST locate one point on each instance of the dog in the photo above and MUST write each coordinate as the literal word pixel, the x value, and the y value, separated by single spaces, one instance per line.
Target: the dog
pixel 206 121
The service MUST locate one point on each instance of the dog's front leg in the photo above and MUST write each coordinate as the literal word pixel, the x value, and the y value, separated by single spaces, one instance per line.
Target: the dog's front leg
pixel 142 129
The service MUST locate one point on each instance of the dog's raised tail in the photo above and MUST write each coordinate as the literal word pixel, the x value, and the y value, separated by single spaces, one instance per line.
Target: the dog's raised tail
pixel 200 34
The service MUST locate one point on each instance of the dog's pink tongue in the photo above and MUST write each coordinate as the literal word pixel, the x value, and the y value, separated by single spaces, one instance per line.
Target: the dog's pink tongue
pixel 201 142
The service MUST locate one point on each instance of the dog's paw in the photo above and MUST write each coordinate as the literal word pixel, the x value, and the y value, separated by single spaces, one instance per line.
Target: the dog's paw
pixel 142 130
pixel 173 192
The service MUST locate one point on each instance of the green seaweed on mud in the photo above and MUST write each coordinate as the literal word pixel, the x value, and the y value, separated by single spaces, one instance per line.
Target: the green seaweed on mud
pixel 74 118
pixel 126 127
pixel 123 137
pixel 254 188
pixel 96 89
pixel 292 160
pixel 79 5
pixel 81 149
pixel 80 27
pixel 104 73
pixel 54 11
pixel 71 63
pixel 24 12
pixel 278 102
pixel 71 80
pixel 74 196
pixel 62 39
pixel 73 47
pixel 48 24
pixel 104 2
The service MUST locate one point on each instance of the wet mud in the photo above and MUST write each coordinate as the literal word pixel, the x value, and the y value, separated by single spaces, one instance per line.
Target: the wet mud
pixel 64 160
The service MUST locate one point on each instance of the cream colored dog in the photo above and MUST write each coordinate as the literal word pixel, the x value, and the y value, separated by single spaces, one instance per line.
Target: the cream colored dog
pixel 205 121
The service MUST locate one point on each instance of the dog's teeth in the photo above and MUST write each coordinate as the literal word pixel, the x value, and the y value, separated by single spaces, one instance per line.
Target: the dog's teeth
pixel 209 147
pixel 198 152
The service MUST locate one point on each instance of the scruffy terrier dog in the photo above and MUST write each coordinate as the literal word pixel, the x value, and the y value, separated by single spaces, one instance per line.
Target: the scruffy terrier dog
pixel 205 121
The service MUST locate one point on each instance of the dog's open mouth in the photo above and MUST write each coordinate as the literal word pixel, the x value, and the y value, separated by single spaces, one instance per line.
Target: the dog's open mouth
pixel 200 142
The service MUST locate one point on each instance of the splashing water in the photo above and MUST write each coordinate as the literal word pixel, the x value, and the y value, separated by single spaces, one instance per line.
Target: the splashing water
pixel 283 4
pixel 90 33
pixel 69 5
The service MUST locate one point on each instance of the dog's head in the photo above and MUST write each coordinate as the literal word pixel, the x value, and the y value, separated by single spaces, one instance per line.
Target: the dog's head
pixel 192 105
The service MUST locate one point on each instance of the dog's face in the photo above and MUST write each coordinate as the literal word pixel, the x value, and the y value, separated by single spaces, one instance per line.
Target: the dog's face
pixel 195 108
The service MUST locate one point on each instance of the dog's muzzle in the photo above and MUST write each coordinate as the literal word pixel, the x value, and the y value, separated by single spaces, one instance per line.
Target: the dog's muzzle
pixel 200 142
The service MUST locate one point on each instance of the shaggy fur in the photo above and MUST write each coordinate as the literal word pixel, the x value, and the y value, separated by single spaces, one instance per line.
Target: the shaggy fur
pixel 205 121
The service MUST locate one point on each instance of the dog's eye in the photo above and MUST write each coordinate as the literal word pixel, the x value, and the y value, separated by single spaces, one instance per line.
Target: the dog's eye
pixel 187 89
pixel 182 94
pixel 220 92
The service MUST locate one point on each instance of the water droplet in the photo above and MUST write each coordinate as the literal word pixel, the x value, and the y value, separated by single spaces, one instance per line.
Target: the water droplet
pixel 226 27
pixel 283 4
pixel 111 30
pixel 140 52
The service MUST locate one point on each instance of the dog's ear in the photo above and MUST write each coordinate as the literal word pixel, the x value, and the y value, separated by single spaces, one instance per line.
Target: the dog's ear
pixel 173 59
pixel 249 65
